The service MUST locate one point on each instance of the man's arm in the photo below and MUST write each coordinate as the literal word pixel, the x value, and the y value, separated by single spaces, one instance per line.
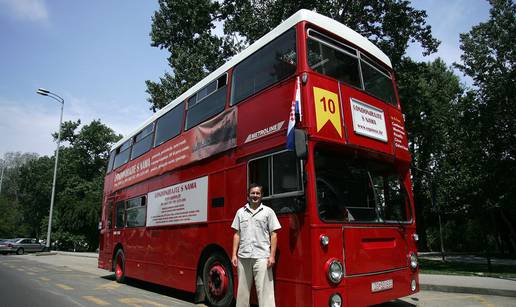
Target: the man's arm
pixel 274 243
pixel 236 243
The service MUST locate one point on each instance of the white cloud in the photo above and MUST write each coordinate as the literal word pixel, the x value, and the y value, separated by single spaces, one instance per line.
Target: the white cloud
pixel 27 126
pixel 32 10
pixel 26 129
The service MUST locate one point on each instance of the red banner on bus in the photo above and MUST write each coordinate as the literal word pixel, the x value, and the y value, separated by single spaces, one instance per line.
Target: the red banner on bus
pixel 205 140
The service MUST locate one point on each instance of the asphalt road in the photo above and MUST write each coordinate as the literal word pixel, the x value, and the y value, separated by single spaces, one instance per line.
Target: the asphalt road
pixel 60 280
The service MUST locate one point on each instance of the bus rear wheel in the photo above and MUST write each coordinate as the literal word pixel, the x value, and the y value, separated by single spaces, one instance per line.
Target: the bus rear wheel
pixel 218 281
pixel 120 266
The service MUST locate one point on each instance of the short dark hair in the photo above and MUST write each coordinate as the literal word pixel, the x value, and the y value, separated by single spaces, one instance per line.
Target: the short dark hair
pixel 254 185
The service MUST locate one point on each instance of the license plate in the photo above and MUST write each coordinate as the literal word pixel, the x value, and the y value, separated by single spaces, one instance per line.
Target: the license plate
pixel 382 285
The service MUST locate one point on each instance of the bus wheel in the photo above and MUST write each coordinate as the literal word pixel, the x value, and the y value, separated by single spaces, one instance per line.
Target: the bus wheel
pixel 218 281
pixel 120 266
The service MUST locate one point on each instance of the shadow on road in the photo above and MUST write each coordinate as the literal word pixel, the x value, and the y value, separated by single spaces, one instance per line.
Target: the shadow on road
pixel 399 303
pixel 147 286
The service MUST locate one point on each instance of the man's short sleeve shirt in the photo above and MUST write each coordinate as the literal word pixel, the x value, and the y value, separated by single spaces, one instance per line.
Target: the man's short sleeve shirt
pixel 255 231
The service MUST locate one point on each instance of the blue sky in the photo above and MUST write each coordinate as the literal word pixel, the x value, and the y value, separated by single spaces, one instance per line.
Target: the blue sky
pixel 97 55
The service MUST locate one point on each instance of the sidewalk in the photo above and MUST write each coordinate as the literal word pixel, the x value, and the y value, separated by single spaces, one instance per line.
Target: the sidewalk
pixel 468 284
pixel 428 282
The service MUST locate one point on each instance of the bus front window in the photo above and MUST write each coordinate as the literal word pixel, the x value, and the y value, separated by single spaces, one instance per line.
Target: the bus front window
pixel 359 190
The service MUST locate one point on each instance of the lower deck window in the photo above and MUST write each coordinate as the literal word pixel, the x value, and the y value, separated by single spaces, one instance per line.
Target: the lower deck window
pixel 280 176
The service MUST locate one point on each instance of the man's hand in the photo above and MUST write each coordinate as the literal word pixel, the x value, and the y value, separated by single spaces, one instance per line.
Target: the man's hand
pixel 270 261
pixel 234 261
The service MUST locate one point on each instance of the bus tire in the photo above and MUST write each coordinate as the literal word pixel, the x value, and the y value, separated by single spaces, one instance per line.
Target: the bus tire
pixel 119 266
pixel 218 281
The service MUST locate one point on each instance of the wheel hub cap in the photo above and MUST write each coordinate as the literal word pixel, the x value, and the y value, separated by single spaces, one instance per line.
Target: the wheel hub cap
pixel 218 281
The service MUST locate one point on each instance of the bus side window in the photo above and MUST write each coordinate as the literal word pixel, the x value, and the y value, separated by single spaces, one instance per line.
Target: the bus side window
pixel 207 102
pixel 169 125
pixel 120 215
pixel 280 176
pixel 111 160
pixel 110 215
pixel 270 64
pixel 122 154
pixel 142 141
pixel 135 212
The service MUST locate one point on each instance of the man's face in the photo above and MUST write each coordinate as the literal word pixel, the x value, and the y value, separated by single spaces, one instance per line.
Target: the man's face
pixel 255 196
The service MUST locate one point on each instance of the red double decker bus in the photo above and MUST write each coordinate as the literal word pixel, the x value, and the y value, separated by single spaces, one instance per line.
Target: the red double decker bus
pixel 343 196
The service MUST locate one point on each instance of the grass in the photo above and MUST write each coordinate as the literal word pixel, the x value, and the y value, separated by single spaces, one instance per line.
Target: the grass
pixel 470 269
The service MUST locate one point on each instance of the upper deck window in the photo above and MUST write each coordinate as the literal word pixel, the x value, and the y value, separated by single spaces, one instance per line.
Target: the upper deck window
pixel 122 154
pixel 142 141
pixel 169 125
pixel 110 162
pixel 377 81
pixel 346 64
pixel 331 58
pixel 272 63
pixel 207 102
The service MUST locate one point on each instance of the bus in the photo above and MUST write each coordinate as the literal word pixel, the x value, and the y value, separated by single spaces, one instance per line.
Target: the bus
pixel 342 191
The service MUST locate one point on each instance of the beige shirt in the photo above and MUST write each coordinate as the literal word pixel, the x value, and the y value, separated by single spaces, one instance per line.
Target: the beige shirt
pixel 255 228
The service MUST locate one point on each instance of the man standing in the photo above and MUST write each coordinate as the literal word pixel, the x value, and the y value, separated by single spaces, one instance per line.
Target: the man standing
pixel 255 240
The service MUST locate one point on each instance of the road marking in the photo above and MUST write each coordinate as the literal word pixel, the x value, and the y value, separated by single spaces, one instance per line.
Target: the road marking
pixel 484 302
pixel 109 286
pixel 64 287
pixel 30 273
pixel 138 302
pixel 20 269
pixel 44 279
pixel 96 300
pixel 62 269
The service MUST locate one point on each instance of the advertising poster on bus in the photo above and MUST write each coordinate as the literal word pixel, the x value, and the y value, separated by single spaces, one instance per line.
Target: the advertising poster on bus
pixel 183 203
pixel 209 138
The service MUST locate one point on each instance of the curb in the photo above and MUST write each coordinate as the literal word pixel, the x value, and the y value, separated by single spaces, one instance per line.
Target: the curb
pixel 45 254
pixel 85 255
pixel 467 290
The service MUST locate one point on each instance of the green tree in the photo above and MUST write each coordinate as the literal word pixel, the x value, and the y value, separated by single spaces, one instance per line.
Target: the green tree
pixel 186 30
pixel 429 93
pixel 12 220
pixel 489 56
pixel 81 176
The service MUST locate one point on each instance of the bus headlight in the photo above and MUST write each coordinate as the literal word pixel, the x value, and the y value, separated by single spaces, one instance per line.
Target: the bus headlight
pixel 324 240
pixel 335 271
pixel 413 285
pixel 413 261
pixel 335 300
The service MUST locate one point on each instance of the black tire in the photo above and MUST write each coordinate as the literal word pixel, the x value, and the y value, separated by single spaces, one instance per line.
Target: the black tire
pixel 119 266
pixel 218 281
pixel 20 251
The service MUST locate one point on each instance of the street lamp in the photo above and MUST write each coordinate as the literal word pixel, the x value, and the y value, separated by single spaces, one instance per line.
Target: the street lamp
pixel 44 92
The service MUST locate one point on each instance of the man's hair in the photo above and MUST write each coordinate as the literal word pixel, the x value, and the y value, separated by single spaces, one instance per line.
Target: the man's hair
pixel 254 185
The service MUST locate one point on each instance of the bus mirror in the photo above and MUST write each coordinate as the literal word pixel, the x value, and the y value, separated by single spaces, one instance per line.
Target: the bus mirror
pixel 301 143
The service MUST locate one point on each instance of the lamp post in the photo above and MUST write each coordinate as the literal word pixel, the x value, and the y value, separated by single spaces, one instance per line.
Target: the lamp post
pixel 2 175
pixel 44 92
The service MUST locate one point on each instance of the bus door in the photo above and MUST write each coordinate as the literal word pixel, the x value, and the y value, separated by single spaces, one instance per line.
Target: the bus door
pixel 106 231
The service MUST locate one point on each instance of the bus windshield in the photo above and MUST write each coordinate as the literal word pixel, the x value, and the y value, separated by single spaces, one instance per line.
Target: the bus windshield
pixel 351 189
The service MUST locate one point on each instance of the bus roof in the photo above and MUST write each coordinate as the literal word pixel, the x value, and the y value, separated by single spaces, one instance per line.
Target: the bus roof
pixel 314 18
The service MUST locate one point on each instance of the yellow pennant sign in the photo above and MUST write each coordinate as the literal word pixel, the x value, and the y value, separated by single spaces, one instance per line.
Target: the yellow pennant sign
pixel 327 108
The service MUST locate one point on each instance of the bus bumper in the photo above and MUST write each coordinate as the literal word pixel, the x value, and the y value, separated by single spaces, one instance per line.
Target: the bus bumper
pixel 370 289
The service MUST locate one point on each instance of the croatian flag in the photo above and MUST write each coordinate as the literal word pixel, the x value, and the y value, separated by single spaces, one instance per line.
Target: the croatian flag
pixel 295 107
